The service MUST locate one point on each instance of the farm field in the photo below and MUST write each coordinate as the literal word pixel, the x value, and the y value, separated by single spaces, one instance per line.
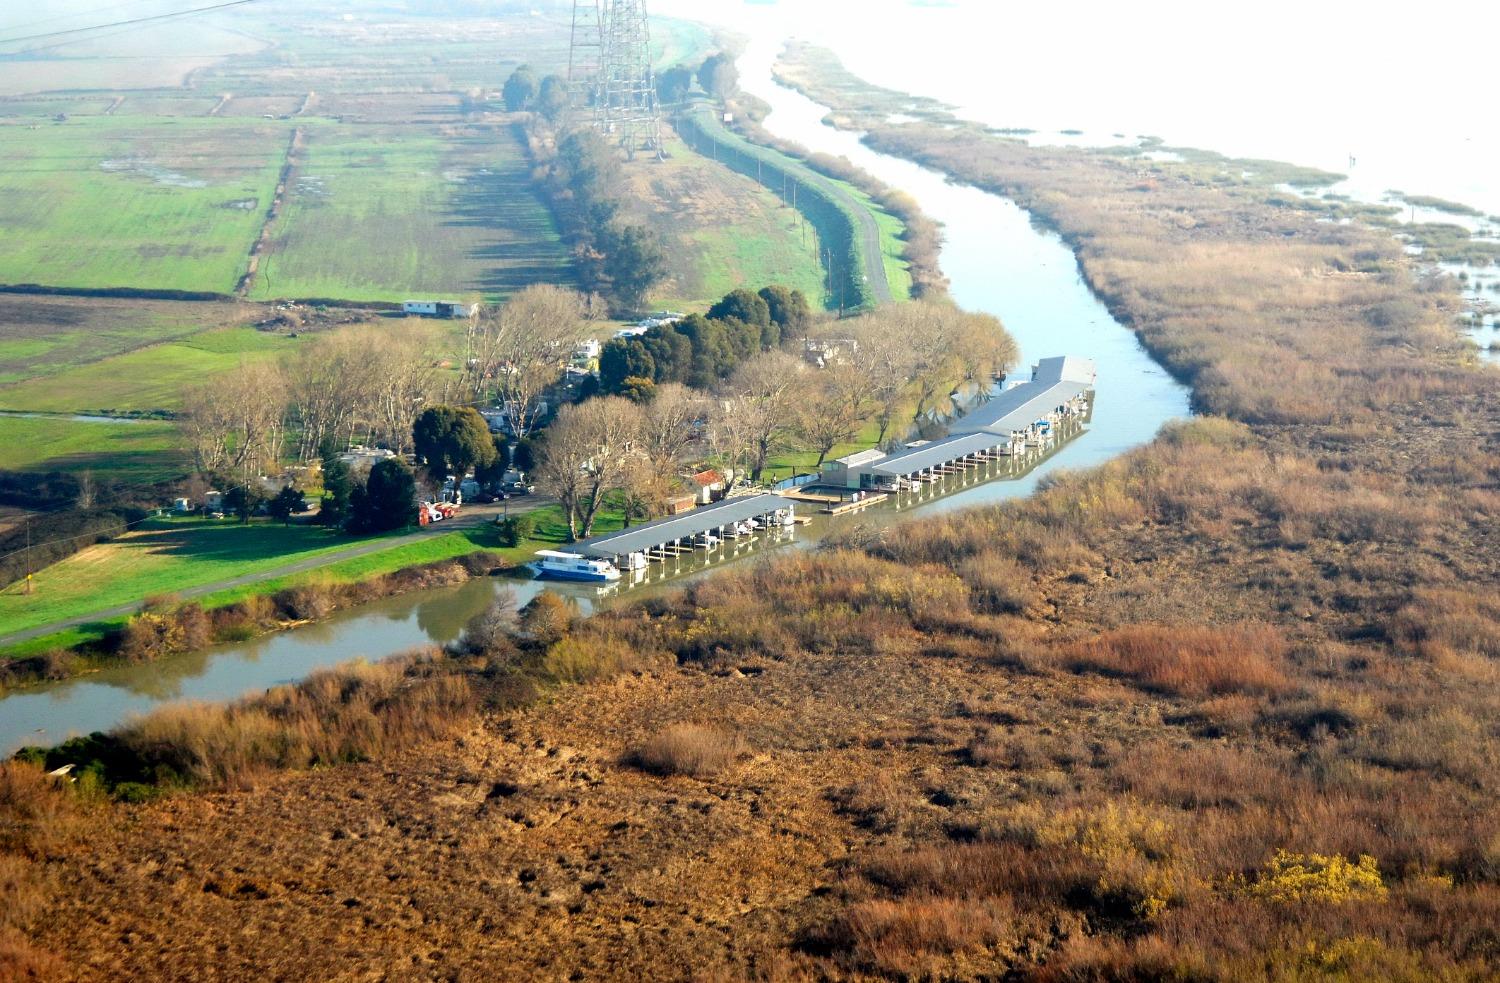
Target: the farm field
pixel 42 336
pixel 720 230
pixel 147 379
pixel 144 203
pixel 143 451
pixel 384 213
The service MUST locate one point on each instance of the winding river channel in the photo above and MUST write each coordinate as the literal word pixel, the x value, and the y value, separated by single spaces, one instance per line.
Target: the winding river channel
pixel 997 262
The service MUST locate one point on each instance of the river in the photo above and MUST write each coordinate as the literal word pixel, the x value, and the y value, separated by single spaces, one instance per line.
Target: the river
pixel 996 261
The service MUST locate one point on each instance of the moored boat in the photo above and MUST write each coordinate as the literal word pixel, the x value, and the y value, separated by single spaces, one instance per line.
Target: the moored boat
pixel 574 566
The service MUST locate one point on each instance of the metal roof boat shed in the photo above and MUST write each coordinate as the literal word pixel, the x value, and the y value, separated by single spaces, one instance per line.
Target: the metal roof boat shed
pixel 676 529
pixel 1055 383
pixel 936 454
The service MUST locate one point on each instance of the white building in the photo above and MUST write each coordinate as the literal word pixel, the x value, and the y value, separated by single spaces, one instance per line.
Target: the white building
pixel 456 309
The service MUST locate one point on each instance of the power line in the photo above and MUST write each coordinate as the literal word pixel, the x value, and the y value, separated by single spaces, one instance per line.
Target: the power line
pixel 76 14
pixel 127 23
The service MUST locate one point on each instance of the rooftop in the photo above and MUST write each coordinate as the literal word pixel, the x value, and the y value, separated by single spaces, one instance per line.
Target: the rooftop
pixel 934 453
pixel 685 526
pixel 1054 381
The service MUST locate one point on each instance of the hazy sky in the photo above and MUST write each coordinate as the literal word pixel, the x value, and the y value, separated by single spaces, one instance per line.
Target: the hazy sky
pixel 1314 81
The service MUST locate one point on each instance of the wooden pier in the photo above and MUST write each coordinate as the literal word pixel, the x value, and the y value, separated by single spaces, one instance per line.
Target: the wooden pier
pixel 844 508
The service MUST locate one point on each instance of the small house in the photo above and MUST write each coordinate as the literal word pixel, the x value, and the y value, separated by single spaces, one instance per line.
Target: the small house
pixel 213 500
pixel 845 472
pixel 708 484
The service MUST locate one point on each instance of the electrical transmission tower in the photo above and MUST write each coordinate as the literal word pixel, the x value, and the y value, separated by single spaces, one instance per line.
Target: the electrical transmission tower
pixel 609 71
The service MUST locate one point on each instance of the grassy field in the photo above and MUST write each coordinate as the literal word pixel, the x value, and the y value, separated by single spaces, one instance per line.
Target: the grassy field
pixel 384 212
pixel 44 336
pixel 146 451
pixel 176 555
pixel 147 379
pixel 721 230
pixel 147 203
pixel 161 557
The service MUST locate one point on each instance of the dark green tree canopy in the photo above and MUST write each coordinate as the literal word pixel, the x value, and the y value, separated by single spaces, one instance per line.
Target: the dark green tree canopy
pixel 673 85
pixel 451 440
pixel 552 97
pixel 388 499
pixel 621 359
pixel 719 77
pixel 338 490
pixel 289 502
pixel 788 308
pixel 520 89
pixel 742 305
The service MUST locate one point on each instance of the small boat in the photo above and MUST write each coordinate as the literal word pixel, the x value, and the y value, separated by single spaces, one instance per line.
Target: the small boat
pixel 705 541
pixel 574 566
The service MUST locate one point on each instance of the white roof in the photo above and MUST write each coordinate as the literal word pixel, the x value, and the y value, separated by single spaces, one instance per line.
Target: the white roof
pixel 559 555
pixel 861 457
pixel 1054 381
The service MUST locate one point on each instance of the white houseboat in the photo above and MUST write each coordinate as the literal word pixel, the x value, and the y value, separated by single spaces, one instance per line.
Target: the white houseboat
pixel 574 566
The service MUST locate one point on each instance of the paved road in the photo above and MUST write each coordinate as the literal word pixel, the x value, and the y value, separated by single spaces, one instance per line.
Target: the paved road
pixel 471 517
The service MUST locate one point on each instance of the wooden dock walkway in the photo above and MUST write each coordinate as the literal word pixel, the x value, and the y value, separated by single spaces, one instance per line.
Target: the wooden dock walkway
pixel 846 507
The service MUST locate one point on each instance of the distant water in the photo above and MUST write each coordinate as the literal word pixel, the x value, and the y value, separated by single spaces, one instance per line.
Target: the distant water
pixel 1402 92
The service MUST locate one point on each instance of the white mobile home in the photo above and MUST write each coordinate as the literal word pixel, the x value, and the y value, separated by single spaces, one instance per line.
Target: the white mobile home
pixel 456 309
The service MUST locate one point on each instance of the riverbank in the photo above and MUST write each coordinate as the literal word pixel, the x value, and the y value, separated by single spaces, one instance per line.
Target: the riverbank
pixel 1148 722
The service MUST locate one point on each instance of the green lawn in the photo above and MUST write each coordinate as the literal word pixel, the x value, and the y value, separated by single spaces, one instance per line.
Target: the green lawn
pixel 783 465
pixel 389 213
pixel 138 452
pixel 177 555
pixel 721 230
pixel 144 202
pixel 160 558
pixel 151 378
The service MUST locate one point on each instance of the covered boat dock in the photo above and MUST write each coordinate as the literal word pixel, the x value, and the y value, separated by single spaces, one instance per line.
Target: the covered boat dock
pixel 663 539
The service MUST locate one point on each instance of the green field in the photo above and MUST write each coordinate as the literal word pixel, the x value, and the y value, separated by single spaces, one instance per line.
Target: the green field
pixel 160 558
pixel 146 379
pixel 720 230
pixel 44 336
pixel 140 202
pixel 144 451
pixel 378 212
pixel 171 556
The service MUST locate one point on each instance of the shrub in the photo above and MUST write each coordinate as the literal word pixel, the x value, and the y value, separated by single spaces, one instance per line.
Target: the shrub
pixel 689 749
pixel 1186 660
pixel 1292 878
pixel 918 938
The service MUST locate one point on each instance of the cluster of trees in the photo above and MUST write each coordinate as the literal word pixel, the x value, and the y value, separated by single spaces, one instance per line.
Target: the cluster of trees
pixel 580 174
pixel 702 350
pixel 520 349
pixel 610 443
pixel 523 92
pixel 617 258
pixel 717 75
pixel 751 399
pixel 360 384
pixel 384 500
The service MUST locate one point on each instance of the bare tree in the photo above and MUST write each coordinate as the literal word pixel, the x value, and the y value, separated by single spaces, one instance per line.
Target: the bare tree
pixel 330 380
pixel 591 448
pixel 403 382
pixel 523 346
pixel 668 424
pixel 235 423
pixel 828 416
pixel 761 407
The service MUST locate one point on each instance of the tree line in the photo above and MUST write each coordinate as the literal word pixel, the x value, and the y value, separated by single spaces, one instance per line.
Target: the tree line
pixel 701 350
